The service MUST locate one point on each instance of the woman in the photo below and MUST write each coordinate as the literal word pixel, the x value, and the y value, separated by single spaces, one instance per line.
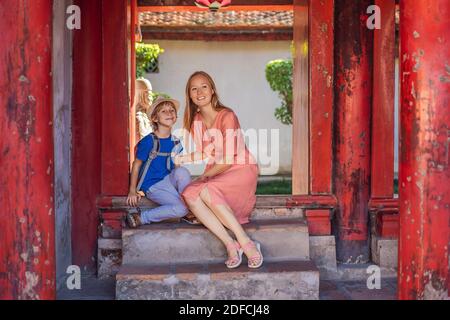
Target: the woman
pixel 224 195
pixel 143 100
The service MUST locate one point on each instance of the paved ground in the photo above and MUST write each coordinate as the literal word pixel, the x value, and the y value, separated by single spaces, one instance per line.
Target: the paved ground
pixel 95 289
pixel 357 290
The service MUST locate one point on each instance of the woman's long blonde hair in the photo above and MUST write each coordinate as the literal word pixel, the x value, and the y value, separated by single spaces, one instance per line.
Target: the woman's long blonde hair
pixel 142 98
pixel 191 107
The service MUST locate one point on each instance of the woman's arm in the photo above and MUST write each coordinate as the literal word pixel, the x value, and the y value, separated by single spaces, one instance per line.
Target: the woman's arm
pixel 215 170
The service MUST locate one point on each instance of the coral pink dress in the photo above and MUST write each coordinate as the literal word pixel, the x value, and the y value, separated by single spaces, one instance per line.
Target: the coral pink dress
pixel 224 143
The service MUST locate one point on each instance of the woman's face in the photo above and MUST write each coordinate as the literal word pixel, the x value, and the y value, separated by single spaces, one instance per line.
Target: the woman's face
pixel 200 91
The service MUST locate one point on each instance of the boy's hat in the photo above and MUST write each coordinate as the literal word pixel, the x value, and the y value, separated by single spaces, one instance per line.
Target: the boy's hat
pixel 160 100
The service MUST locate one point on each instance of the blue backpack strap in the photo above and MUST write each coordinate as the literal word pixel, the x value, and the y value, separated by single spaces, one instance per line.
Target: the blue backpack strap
pixel 152 155
pixel 175 150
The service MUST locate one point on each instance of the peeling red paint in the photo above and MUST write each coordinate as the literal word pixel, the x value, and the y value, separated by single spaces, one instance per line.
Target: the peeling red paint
pixel 424 159
pixel 382 153
pixel 26 195
pixel 321 19
pixel 353 66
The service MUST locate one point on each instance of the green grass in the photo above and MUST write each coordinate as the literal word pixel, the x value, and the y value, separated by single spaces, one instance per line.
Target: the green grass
pixel 285 187
pixel 274 187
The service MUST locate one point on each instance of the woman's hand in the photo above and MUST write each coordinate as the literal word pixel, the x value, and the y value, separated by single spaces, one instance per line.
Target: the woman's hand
pixel 133 198
pixel 178 160
pixel 200 178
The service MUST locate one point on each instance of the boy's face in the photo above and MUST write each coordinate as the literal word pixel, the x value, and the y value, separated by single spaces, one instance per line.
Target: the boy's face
pixel 166 116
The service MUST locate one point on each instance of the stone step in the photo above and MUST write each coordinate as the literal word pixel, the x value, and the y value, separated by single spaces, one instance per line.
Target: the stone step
pixel 276 212
pixel 161 243
pixel 297 280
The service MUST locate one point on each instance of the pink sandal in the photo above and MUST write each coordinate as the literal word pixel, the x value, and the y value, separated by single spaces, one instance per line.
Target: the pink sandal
pixel 255 261
pixel 234 262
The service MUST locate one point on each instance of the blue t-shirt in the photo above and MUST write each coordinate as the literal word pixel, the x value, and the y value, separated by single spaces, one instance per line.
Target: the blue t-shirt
pixel 158 168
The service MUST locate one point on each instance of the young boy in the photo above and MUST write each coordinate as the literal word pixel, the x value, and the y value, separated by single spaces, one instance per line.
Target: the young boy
pixel 162 183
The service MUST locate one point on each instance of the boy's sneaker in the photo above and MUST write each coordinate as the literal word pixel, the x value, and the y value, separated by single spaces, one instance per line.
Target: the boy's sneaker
pixel 134 220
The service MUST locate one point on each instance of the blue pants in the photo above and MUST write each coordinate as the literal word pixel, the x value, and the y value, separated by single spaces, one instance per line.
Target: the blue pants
pixel 167 193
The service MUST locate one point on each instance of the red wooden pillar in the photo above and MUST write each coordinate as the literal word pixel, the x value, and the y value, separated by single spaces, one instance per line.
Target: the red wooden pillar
pixel 353 69
pixel 424 153
pixel 86 132
pixel 132 80
pixel 321 45
pixel 382 164
pixel 27 225
pixel 115 97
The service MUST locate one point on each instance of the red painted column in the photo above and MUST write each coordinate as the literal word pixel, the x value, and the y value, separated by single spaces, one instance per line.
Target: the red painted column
pixel 86 132
pixel 115 97
pixel 382 164
pixel 321 55
pixel 353 69
pixel 27 226
pixel 424 153
pixel 132 114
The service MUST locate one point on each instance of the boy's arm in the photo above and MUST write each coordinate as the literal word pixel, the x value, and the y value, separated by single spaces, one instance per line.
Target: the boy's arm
pixel 133 195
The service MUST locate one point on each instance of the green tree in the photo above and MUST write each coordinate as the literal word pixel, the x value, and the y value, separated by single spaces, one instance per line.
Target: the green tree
pixel 146 58
pixel 279 76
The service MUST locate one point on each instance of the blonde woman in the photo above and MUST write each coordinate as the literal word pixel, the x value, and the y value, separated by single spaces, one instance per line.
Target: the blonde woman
pixel 224 195
pixel 143 101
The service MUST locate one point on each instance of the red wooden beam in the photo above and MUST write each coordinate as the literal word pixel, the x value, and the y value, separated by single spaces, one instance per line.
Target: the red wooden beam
pixel 312 201
pixel 382 164
pixel 216 35
pixel 308 201
pixel 376 204
pixel 193 8
pixel 115 97
pixel 27 221
pixel 424 156
pixel 143 3
pixel 352 123
pixel 321 46
pixel 86 133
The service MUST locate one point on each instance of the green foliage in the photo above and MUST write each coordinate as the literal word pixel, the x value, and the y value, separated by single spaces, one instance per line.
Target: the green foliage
pixel 155 95
pixel 146 57
pixel 279 76
pixel 283 186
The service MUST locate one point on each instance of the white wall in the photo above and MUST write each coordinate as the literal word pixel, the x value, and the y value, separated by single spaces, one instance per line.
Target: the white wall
pixel 238 68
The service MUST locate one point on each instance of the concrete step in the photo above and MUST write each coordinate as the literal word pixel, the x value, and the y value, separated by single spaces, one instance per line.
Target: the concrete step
pixel 161 243
pixel 263 212
pixel 297 280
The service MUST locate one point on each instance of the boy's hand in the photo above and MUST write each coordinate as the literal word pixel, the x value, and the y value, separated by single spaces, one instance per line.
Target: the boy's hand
pixel 133 198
